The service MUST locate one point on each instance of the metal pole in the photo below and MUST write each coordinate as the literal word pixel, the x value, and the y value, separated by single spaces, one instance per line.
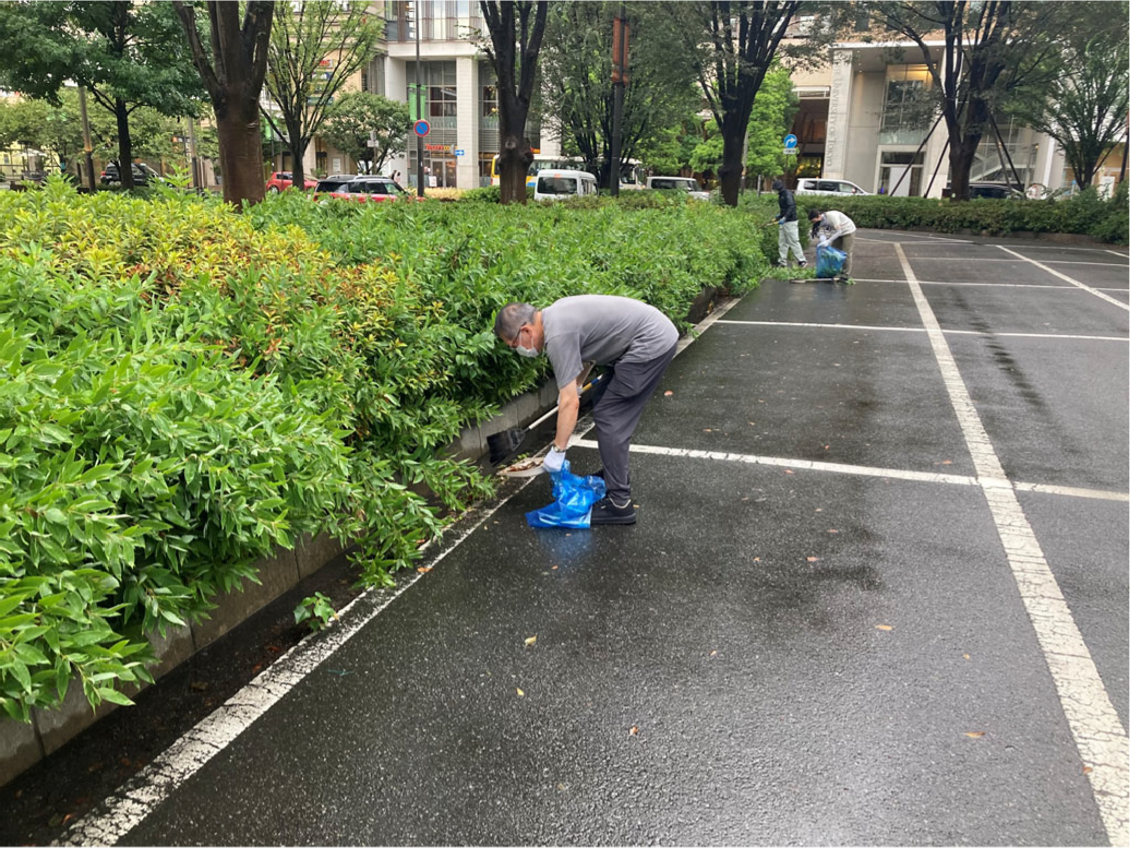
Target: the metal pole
pixel 938 167
pixel 1004 149
pixel 87 146
pixel 192 154
pixel 619 70
pixel 419 138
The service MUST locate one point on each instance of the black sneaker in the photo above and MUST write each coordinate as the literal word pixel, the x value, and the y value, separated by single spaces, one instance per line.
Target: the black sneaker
pixel 802 264
pixel 606 512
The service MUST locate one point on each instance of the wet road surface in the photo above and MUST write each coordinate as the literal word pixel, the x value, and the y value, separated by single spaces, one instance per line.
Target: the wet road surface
pixel 831 625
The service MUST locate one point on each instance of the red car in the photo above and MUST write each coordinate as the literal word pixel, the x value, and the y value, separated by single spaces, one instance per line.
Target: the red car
pixel 285 179
pixel 363 189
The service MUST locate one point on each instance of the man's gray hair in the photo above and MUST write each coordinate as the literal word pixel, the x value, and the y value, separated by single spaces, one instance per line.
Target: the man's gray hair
pixel 511 318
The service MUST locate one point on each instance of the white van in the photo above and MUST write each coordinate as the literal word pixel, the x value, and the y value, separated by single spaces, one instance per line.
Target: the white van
pixel 688 184
pixel 839 187
pixel 554 184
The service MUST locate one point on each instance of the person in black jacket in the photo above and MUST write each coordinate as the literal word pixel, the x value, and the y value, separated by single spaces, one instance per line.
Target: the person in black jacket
pixel 788 236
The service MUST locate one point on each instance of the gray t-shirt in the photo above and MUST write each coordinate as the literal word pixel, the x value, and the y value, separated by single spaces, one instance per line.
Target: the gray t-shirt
pixel 604 329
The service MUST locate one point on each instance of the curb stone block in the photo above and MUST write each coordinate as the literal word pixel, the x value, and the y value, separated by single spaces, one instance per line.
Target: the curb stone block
pixel 20 748
pixel 314 552
pixel 171 650
pixel 62 723
pixel 278 574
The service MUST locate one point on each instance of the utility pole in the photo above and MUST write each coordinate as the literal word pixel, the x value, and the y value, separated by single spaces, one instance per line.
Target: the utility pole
pixel 619 80
pixel 192 155
pixel 87 147
pixel 419 138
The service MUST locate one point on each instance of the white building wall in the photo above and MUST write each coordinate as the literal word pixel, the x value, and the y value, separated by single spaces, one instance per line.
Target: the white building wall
pixel 396 86
pixel 861 157
pixel 839 116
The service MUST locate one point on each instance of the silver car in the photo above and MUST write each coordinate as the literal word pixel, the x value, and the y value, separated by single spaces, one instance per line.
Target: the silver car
pixel 822 186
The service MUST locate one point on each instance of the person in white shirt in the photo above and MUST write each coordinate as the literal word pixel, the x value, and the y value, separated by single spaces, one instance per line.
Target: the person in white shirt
pixel 834 229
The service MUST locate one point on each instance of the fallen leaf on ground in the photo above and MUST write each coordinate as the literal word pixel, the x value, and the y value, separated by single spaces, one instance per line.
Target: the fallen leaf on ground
pixel 1087 769
pixel 966 656
pixel 813 559
pixel 634 731
pixel 553 568
pixel 976 734
pixel 521 694
pixel 531 640
pixel 424 569
pixel 883 627
pixel 199 686
pixel 93 767
pixel 757 559
pixel 668 394
pixel 788 471
pixel 255 669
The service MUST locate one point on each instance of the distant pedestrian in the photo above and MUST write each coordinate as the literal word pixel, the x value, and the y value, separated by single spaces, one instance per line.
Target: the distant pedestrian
pixel 834 229
pixel 788 237
pixel 636 339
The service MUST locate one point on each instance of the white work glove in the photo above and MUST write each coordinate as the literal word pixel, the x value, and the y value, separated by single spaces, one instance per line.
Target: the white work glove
pixel 554 460
pixel 823 243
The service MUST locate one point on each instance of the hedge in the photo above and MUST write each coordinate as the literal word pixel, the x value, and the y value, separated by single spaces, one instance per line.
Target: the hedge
pixel 185 387
pixel 1085 214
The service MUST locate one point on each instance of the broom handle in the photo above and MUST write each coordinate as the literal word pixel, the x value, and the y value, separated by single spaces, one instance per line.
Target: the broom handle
pixel 545 417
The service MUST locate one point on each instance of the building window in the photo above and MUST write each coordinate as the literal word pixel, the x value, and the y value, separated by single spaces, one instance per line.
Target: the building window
pixel 908 105
pixel 490 101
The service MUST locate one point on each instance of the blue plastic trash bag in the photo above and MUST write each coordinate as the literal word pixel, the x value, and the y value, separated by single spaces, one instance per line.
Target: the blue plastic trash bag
pixel 573 498
pixel 829 261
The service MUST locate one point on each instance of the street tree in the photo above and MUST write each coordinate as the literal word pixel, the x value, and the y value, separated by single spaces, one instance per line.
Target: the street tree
pixel 991 51
pixel 1084 106
pixel 128 55
pixel 733 44
pixel 770 120
pixel 576 70
pixel 315 48
pixel 668 150
pixel 355 116
pixel 233 70
pixel 515 29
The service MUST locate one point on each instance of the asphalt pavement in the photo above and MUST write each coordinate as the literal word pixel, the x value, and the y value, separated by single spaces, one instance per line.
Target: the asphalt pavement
pixel 876 594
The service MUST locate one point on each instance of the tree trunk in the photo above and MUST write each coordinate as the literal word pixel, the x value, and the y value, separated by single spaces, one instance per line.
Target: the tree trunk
pixel 297 152
pixel 730 174
pixel 241 154
pixel 513 164
pixel 125 144
pixel 961 164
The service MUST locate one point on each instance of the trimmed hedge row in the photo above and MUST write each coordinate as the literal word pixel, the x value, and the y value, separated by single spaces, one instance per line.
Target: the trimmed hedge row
pixel 1085 214
pixel 185 388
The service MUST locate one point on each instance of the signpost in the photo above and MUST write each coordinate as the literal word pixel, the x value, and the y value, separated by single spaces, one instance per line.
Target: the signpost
pixel 790 144
pixel 421 128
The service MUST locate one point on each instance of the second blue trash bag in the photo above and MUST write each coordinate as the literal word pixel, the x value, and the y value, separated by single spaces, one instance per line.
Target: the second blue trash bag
pixel 573 498
pixel 829 261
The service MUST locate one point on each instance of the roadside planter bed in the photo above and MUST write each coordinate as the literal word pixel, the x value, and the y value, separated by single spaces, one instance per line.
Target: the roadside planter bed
pixel 186 391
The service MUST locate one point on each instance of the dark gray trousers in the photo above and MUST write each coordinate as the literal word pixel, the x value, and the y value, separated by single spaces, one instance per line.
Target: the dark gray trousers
pixel 618 411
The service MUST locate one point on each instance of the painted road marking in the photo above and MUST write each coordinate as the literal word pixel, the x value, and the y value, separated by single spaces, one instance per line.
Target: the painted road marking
pixel 989 285
pixel 1099 734
pixel 1116 253
pixel 862 470
pixel 952 256
pixel 135 800
pixel 923 330
pixel 1073 282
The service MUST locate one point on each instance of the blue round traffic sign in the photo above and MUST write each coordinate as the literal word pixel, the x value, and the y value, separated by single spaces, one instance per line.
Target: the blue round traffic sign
pixel 790 140
pixel 422 128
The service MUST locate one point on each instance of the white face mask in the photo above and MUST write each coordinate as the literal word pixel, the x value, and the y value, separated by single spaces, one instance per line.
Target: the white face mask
pixel 528 352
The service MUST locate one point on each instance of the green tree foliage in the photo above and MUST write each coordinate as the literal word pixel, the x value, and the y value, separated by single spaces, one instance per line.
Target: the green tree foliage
pixel 733 45
pixel 128 55
pixel 668 151
pixel 355 115
pixel 769 123
pixel 315 48
pixel 1084 106
pixel 576 68
pixel 991 51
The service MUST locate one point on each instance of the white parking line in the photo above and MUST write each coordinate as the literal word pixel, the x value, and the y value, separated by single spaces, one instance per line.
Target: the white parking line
pixel 1098 731
pixel 1073 289
pixel 951 257
pixel 1073 282
pixel 1116 253
pixel 863 470
pixel 923 330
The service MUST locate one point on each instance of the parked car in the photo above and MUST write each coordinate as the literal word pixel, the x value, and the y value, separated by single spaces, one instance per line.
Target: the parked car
pixel 688 184
pixel 554 184
pixel 841 187
pixel 333 185
pixel 367 189
pixel 987 189
pixel 142 174
pixel 285 179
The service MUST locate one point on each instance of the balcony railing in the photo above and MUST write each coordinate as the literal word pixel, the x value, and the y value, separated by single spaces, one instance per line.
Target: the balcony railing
pixel 432 29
